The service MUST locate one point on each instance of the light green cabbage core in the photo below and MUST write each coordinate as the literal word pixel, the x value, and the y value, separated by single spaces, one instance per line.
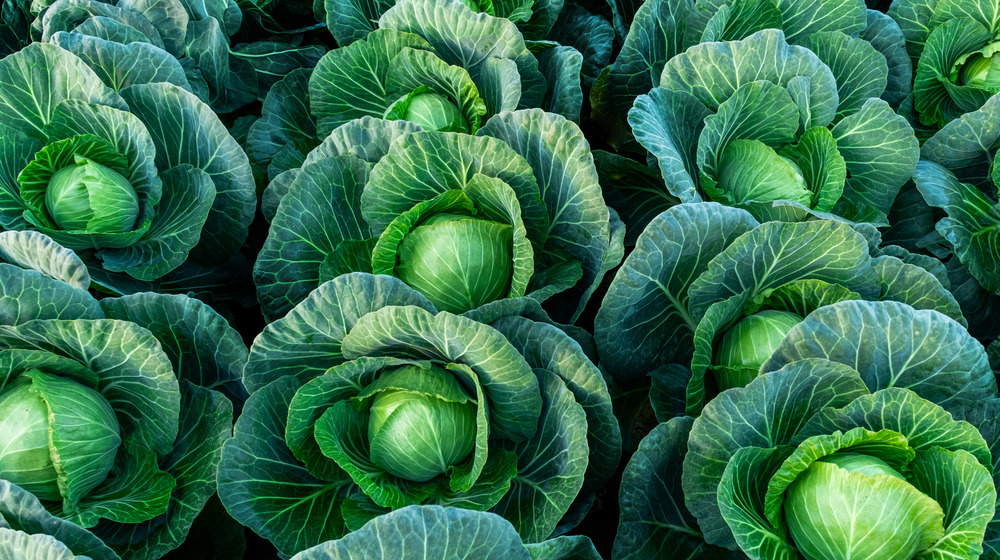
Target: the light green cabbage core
pixel 855 506
pixel 417 435
pixel 58 438
pixel 25 457
pixel 748 344
pixel 432 111
pixel 458 262
pixel 90 197
pixel 752 172
pixel 981 69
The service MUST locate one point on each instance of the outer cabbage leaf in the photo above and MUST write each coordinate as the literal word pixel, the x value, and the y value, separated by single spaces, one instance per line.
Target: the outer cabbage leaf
pixel 647 302
pixel 893 345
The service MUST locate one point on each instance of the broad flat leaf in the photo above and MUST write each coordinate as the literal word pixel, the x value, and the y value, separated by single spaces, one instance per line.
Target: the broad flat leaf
pixel 170 19
pixel 107 20
pixel 321 210
pixel 137 490
pixel 351 20
pixel 669 125
pixel 426 533
pixel 914 286
pixel 547 347
pixel 802 297
pixel 112 24
pixel 926 262
pixel 860 70
pixel 588 33
pixel 984 12
pixel 225 82
pixel 656 35
pixel 963 488
pixel 307 341
pixel 550 465
pixel 985 417
pixel 644 321
pixel 17 544
pixel 567 180
pixel 654 521
pixel 27 294
pixel 561 67
pixel 121 65
pixel 257 464
pixel 21 511
pixel 206 422
pixel 972 226
pixel 367 139
pixel 880 152
pixel 822 166
pixel 204 349
pixel 776 253
pixel 51 75
pixel 270 61
pixel 35 251
pixel 803 18
pixel 740 494
pixel 575 547
pixel 924 424
pixel 735 21
pixel 17 150
pixel 286 131
pixel 885 35
pixel 173 116
pixel 893 345
pixel 712 72
pixel 914 20
pixel 965 145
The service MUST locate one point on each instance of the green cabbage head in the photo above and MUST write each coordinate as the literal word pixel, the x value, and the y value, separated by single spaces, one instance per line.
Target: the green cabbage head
pixel 88 196
pixel 953 47
pixel 748 344
pixel 107 424
pixel 47 425
pixel 398 404
pixel 432 111
pixel 981 69
pixel 142 181
pixel 851 489
pixel 458 262
pixel 421 422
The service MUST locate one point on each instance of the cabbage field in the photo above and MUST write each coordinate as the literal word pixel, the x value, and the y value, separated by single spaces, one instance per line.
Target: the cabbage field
pixel 499 279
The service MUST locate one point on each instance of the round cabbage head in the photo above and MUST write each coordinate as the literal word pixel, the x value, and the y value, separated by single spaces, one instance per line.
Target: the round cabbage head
pixel 87 196
pixel 421 422
pixel 748 344
pixel 39 407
